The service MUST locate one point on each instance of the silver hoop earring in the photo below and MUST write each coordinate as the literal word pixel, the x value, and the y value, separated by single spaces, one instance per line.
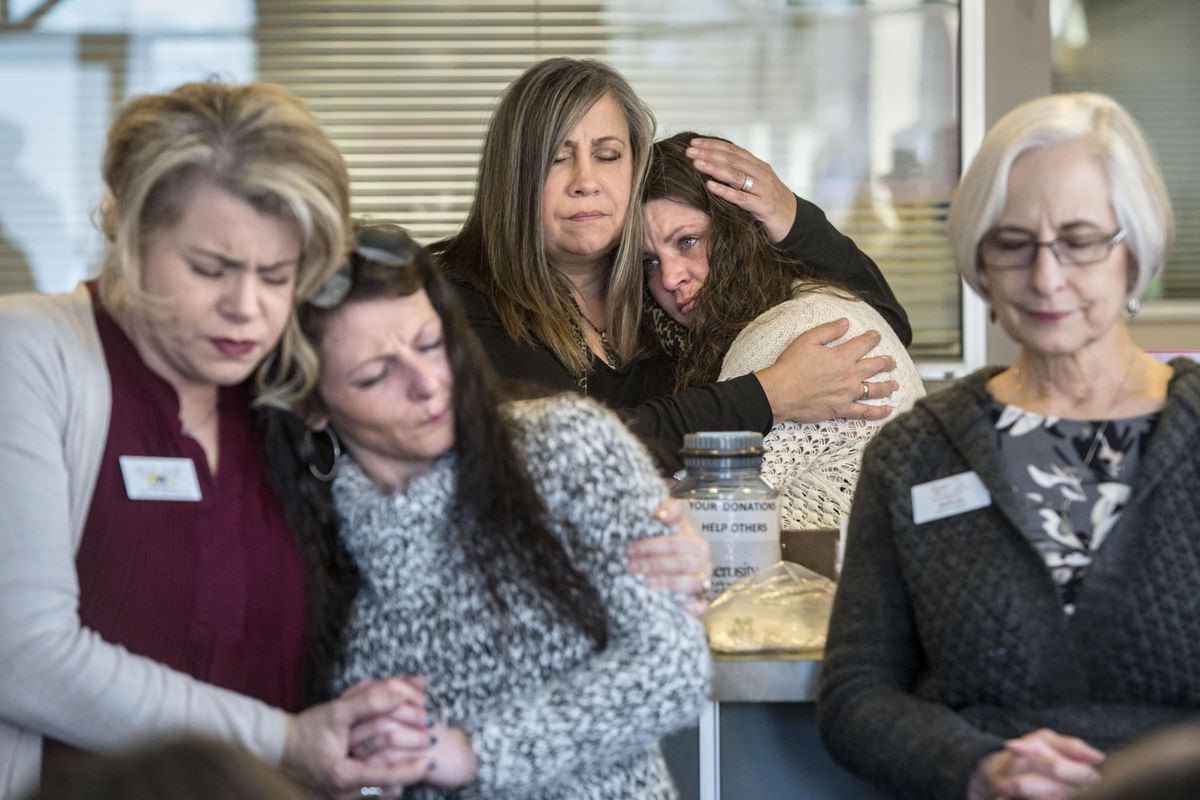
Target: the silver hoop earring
pixel 1133 307
pixel 324 476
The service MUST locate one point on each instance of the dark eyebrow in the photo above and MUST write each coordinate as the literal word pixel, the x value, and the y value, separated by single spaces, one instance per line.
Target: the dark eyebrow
pixel 595 142
pixel 678 228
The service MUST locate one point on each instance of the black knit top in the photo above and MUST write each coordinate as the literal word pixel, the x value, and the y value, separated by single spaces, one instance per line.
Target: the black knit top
pixel 949 637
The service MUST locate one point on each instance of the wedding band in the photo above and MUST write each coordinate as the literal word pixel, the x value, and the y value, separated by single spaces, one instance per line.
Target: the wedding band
pixel 866 391
pixel 370 791
pixel 747 184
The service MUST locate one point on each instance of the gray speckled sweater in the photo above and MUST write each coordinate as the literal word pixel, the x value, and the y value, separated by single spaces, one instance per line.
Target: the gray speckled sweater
pixel 949 637
pixel 548 717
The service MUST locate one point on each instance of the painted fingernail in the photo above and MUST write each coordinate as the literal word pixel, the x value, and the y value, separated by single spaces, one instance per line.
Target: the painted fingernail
pixel 428 704
pixel 432 764
pixel 429 722
pixel 432 739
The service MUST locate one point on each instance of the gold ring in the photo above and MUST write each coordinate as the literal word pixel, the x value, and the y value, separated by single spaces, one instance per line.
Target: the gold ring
pixel 866 391
pixel 748 183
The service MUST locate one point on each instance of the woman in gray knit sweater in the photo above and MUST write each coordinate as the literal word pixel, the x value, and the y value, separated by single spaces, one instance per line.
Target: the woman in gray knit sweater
pixel 1021 591
pixel 489 543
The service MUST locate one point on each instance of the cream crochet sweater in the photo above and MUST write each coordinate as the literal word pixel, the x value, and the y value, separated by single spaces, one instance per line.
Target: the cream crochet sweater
pixel 814 466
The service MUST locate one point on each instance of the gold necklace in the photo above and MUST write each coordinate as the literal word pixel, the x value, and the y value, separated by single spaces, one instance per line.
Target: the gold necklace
pixel 601 331
pixel 608 356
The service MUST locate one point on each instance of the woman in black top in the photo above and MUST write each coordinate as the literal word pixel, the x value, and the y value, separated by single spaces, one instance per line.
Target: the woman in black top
pixel 548 263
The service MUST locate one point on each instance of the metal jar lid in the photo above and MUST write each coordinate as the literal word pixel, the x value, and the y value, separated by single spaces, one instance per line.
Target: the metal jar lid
pixel 722 443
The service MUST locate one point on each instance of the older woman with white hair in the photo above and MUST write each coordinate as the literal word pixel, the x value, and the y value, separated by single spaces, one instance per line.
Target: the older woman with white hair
pixel 1020 591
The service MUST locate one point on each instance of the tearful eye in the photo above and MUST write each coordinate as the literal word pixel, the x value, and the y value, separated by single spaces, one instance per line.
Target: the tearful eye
pixel 649 263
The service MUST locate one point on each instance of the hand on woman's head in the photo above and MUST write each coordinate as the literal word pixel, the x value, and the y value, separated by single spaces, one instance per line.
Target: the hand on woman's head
pixel 746 181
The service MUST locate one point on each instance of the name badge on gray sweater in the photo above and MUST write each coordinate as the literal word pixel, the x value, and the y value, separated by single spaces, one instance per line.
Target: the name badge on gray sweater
pixel 947 497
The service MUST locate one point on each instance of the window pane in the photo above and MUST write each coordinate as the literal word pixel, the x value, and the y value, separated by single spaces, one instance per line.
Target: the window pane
pixel 1143 53
pixel 853 103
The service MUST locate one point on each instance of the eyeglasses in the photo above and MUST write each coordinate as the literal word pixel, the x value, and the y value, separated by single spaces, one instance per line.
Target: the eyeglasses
pixel 379 243
pixel 1012 248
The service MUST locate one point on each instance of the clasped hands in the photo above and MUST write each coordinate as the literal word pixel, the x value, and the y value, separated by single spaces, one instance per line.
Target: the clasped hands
pixel 376 739
pixel 383 735
pixel 1042 765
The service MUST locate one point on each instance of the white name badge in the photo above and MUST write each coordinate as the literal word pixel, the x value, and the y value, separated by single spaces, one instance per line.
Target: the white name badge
pixel 148 478
pixel 947 497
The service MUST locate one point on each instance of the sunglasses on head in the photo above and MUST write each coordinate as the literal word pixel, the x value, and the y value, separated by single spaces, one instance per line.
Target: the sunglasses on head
pixel 378 243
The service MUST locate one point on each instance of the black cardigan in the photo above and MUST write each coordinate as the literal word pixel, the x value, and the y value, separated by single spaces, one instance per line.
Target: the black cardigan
pixel 949 637
pixel 642 392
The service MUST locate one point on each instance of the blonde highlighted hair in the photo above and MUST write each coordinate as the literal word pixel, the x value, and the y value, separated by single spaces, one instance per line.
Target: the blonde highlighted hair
pixel 501 248
pixel 1139 194
pixel 256 141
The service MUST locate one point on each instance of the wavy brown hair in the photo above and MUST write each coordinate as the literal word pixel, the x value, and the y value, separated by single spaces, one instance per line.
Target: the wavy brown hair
pixel 747 272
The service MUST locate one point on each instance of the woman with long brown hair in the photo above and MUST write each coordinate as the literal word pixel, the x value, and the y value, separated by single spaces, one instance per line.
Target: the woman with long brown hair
pixel 149 580
pixel 489 540
pixel 548 262
pixel 729 301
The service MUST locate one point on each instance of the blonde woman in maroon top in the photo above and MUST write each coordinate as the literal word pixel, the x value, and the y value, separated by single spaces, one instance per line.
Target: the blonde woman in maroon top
pixel 148 580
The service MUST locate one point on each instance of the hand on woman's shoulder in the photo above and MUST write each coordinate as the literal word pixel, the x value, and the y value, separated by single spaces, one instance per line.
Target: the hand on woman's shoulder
pixel 763 340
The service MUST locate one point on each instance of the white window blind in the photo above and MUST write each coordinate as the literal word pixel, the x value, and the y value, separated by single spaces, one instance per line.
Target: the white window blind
pixel 855 104
pixel 1143 53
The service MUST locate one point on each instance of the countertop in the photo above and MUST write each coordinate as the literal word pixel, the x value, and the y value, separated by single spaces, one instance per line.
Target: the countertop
pixel 766 677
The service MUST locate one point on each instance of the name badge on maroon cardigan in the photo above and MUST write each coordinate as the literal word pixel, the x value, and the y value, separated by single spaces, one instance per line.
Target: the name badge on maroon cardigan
pixel 149 478
pixel 947 497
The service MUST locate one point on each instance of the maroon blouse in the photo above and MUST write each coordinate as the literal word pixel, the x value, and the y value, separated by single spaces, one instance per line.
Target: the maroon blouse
pixel 213 588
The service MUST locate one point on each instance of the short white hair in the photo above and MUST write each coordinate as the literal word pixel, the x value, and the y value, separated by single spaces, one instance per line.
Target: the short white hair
pixel 1139 195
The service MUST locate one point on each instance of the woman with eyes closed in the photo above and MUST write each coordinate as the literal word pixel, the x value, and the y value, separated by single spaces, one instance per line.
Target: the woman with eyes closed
pixel 489 540
pixel 1019 593
pixel 733 301
pixel 548 263
pixel 149 582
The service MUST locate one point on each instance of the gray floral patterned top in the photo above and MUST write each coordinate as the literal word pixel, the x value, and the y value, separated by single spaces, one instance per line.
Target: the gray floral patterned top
pixel 1076 477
